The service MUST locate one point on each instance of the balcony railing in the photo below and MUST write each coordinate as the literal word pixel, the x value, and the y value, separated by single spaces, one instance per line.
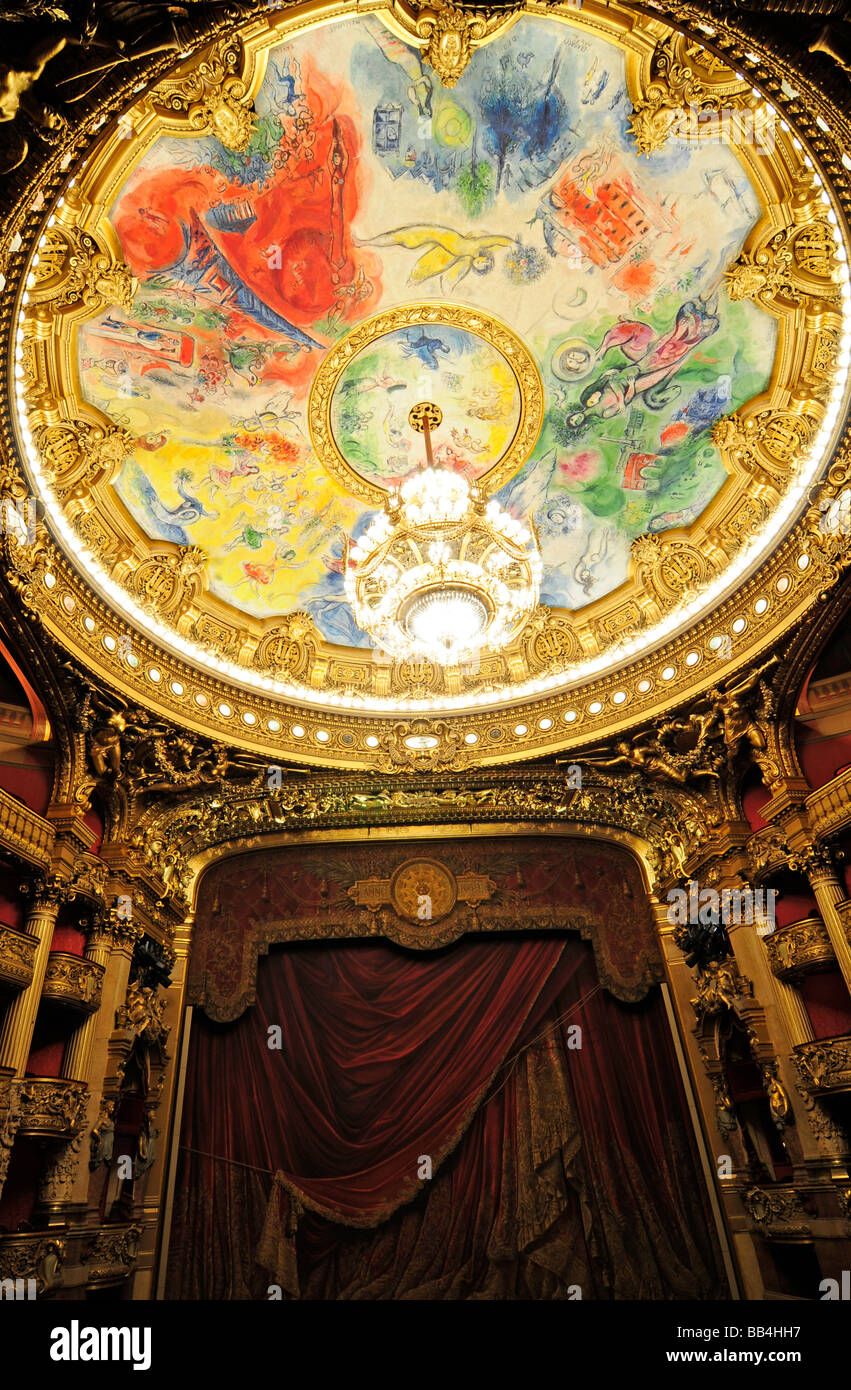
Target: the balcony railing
pixel 800 949
pixel 825 1065
pixel 830 806
pixel 25 832
pixel 51 1107
pixel 73 981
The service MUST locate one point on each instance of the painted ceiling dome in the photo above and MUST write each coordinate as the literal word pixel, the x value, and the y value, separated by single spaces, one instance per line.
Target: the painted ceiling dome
pixel 605 256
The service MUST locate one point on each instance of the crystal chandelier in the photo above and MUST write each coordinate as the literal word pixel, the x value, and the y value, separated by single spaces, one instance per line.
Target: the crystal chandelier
pixel 442 573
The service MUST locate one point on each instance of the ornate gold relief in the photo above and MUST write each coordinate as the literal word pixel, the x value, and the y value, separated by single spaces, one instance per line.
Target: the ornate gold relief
pixel 422 745
pixel 74 271
pixel 685 84
pixel 33 1255
pixel 768 851
pixel 794 265
pixel 719 985
pixel 828 522
pixel 550 641
pixel 825 1065
pixel 141 1016
pixel 421 891
pixel 166 584
pixel 418 677
pixel 746 519
pixel 73 981
pixel 212 96
pixel 673 570
pixel 446 35
pixel 89 877
pixel 767 445
pixel 799 949
pixel 111 1254
pixel 288 649
pixel 17 957
pixel 450 34
pixel 50 1107
pixel 782 1207
pixel 79 452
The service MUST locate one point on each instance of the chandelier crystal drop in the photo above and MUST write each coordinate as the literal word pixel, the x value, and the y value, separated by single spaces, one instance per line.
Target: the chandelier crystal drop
pixel 443 573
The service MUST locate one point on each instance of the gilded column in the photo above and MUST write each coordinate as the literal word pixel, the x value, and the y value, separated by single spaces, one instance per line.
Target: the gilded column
pixel 776 997
pixel 65 1182
pixel 795 1016
pixel 818 866
pixel 784 1018
pixel 75 1063
pixel 19 1023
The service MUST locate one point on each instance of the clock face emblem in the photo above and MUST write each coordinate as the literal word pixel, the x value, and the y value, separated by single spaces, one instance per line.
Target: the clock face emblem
pixel 423 891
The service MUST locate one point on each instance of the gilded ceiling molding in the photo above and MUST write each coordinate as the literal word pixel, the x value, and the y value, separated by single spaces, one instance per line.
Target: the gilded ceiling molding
pixel 77 274
pixel 79 453
pixel 92 274
pixel 213 96
pixel 685 84
pixel 794 266
pixel 447 34
pixel 167 584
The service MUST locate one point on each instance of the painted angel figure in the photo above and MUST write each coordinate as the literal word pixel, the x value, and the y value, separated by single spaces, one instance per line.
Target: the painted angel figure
pixel 446 253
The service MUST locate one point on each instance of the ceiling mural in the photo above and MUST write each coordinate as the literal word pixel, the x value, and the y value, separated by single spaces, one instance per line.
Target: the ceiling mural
pixel 365 185
pixel 598 272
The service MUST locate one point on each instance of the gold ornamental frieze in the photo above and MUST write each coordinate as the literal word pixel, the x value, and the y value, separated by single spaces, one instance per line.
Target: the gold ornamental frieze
pixel 703 596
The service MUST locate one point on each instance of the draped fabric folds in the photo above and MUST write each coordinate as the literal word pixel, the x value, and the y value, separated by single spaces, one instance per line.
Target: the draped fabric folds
pixel 550 1117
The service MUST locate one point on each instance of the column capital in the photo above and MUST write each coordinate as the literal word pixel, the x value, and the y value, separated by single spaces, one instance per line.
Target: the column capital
pixel 814 860
pixel 45 894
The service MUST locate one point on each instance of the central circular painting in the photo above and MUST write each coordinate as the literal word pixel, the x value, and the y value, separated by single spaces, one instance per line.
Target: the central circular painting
pixel 475 386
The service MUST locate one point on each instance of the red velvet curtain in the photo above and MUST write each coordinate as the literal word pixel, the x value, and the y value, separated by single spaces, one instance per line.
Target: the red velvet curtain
pixel 560 1159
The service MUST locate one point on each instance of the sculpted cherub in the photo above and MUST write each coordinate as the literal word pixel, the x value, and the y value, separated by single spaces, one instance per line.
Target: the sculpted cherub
pixel 730 709
pixel 108 736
